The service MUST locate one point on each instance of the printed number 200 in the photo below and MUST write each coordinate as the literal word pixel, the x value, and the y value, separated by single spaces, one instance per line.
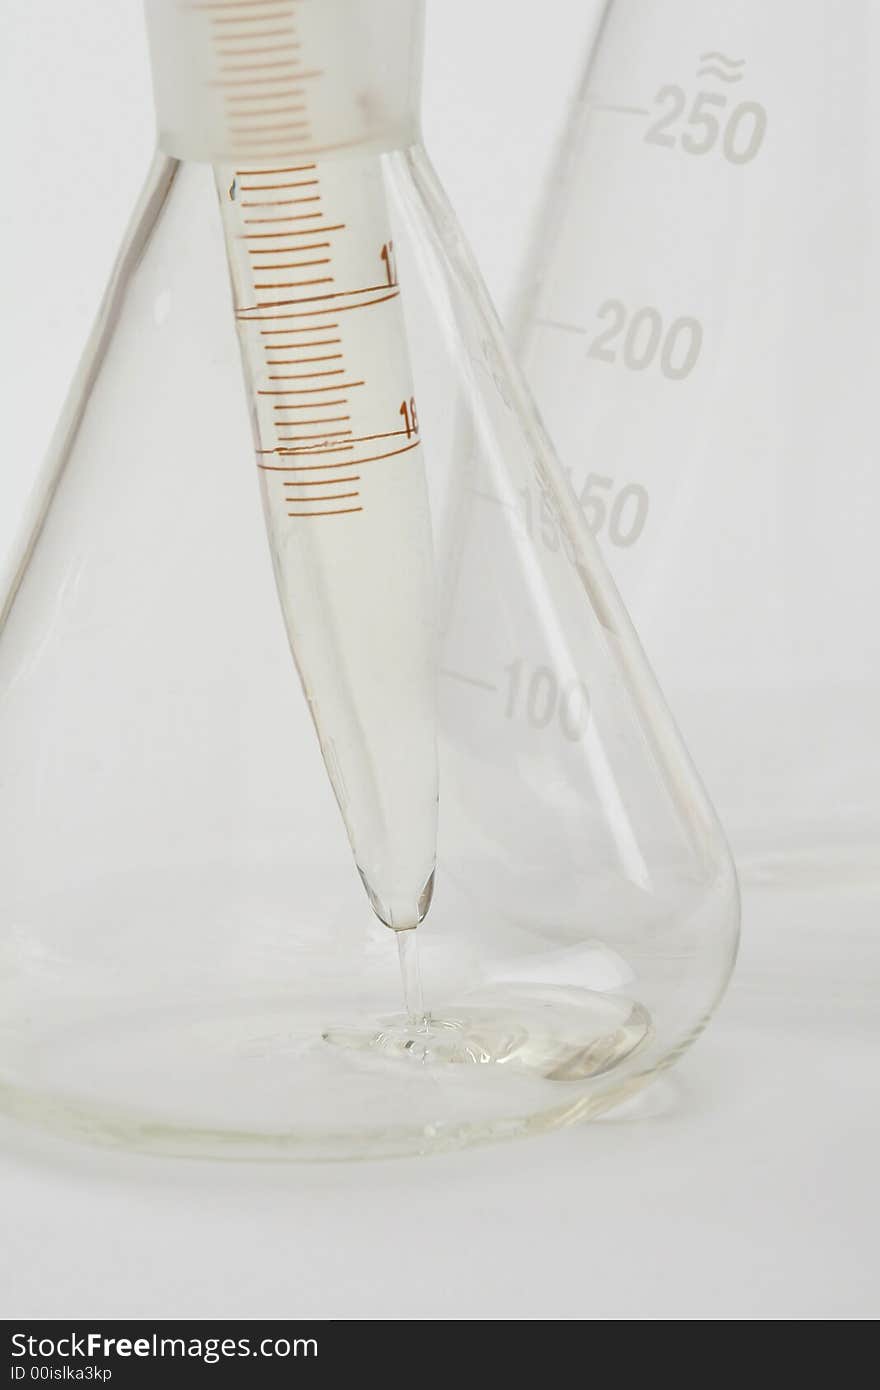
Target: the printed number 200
pixel 645 333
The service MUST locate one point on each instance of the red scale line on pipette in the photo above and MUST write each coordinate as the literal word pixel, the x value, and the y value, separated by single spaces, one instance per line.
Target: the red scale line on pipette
pixel 319 482
pixel 287 217
pixel 308 376
pixel 263 67
pixel 236 98
pixel 310 405
pixel 279 202
pixel 306 438
pixel 223 34
pixel 227 83
pixel 289 251
pixel 316 342
pixel 292 109
pixel 274 187
pixel 293 265
pixel 251 33
pixel 255 52
pixel 313 313
pixel 334 497
pixel 279 187
pixel 284 236
pixel 321 420
pixel 213 5
pixel 219 23
pixel 339 511
pixel 270 173
pixel 296 284
pixel 359 439
pixel 313 298
pixel 278 332
pixel 300 361
pixel 234 119
pixel 346 463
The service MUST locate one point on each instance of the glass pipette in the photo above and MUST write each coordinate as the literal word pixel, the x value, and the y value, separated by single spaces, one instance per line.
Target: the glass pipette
pixel 295 128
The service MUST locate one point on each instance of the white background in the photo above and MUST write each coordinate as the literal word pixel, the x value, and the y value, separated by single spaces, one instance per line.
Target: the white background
pixel 744 1186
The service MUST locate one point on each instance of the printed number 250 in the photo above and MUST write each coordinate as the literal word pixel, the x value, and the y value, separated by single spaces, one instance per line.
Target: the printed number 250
pixel 741 131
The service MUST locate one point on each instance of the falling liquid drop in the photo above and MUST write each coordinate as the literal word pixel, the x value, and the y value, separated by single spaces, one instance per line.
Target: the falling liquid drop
pixel 411 975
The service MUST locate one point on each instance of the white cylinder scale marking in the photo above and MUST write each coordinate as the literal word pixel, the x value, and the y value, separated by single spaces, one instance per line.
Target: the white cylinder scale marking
pixel 293 102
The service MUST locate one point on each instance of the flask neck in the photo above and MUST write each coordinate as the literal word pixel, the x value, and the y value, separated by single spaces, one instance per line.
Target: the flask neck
pixel 260 79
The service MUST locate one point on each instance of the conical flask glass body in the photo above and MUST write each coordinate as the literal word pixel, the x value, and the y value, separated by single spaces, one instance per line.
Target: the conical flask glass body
pixel 698 326
pixel 256 659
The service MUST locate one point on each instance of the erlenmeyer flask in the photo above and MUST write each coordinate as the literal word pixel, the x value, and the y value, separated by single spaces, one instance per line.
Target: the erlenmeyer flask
pixel 698 326
pixel 189 960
